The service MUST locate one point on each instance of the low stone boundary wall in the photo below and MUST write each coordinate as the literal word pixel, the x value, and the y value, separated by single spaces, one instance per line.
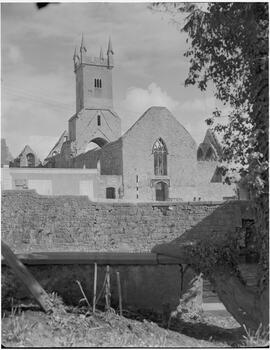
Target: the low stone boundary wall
pixel 31 222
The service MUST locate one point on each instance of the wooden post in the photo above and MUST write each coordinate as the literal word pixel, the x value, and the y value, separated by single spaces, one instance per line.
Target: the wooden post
pixel 108 289
pixel 119 293
pixel 27 278
pixel 84 296
pixel 95 288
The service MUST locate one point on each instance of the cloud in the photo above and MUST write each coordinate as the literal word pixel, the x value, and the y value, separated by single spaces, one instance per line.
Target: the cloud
pixel 205 104
pixel 14 54
pixel 138 99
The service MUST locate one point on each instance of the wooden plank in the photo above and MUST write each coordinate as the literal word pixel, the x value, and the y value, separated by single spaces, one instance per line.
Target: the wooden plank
pixel 26 278
pixel 102 258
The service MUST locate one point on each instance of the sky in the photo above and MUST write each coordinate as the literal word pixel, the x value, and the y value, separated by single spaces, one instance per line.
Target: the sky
pixel 38 82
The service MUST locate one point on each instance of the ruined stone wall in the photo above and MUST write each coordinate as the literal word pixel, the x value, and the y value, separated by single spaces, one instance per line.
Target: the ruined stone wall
pixel 111 159
pixel 138 159
pixel 209 190
pixel 31 222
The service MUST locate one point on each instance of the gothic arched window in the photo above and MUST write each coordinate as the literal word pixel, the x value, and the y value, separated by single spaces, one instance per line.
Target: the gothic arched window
pixel 160 157
pixel 210 155
pixel 199 154
pixel 30 160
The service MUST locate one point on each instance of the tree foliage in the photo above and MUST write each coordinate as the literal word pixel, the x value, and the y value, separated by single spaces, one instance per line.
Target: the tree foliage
pixel 228 48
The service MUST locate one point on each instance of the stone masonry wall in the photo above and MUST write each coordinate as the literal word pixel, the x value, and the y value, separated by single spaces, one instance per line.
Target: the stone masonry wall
pixel 31 222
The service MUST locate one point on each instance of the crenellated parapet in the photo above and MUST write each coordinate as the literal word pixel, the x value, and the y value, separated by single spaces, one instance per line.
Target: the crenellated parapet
pixel 81 57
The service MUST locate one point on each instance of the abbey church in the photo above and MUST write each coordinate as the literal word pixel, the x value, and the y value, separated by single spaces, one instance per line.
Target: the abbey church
pixel 155 160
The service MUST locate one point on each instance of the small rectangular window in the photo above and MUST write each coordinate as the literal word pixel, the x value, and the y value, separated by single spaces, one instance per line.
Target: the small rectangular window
pixel 98 120
pixel 110 192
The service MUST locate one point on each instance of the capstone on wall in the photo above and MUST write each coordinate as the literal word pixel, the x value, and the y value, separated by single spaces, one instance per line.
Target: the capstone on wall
pixel 31 222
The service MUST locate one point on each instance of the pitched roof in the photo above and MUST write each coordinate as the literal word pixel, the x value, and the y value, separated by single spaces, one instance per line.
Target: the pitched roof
pixel 155 111
pixel 57 147
pixel 26 150
pixel 211 139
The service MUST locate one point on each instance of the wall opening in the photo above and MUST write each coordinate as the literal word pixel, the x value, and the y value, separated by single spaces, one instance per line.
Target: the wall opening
pixel 110 192
pixel 199 154
pixel 160 157
pixel 95 144
pixel 210 155
pixel 30 160
pixel 98 83
pixel 162 191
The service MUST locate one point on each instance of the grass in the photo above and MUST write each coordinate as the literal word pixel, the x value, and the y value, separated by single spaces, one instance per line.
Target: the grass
pixel 102 329
pixel 79 327
pixel 255 339
pixel 17 329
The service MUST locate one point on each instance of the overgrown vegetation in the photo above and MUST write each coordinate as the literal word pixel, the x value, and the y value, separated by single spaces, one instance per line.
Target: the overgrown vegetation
pixel 256 339
pixel 79 327
pixel 228 48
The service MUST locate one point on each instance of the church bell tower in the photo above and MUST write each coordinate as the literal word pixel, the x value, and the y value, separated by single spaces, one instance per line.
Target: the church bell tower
pixel 94 120
pixel 93 78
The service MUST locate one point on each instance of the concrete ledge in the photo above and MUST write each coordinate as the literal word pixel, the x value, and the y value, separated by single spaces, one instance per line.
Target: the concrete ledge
pixel 86 258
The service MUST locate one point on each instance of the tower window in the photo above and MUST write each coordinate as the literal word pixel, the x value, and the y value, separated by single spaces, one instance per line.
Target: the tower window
pixel 98 120
pixel 160 157
pixel 98 83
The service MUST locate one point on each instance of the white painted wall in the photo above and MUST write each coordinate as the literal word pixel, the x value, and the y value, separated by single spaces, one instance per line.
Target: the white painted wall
pixel 43 187
pixel 87 189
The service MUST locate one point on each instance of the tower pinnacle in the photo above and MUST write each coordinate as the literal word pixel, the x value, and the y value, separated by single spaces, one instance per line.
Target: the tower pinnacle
pixel 110 50
pixel 82 48
pixel 76 58
pixel 110 54
pixel 101 54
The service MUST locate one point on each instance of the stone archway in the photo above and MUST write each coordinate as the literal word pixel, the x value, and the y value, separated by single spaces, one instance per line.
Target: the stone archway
pixel 99 141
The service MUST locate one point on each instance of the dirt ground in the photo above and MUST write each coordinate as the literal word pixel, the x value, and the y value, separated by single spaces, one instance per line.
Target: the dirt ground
pixel 73 327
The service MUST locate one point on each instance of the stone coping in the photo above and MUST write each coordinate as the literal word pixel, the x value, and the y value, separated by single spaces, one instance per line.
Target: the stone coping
pixel 59 171
pixel 128 203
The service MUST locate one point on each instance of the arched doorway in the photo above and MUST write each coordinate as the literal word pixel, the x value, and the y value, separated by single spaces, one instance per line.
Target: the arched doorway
pixel 96 143
pixel 100 141
pixel 161 191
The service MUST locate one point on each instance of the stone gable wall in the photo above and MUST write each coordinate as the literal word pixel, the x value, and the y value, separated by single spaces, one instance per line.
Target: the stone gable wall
pixel 31 222
pixel 138 156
